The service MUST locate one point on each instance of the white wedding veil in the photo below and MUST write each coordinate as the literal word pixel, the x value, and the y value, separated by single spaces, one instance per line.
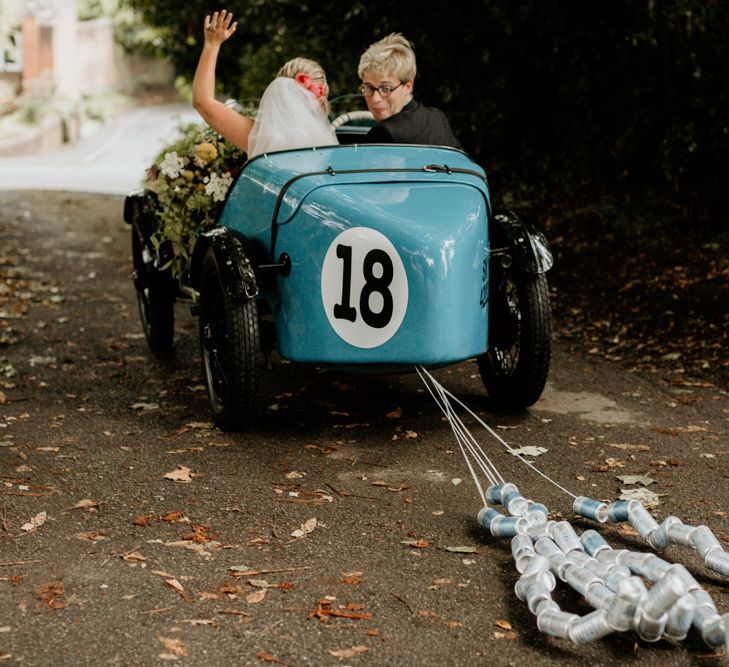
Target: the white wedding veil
pixel 289 116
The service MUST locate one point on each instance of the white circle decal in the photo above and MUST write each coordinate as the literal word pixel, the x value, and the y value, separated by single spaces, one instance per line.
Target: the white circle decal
pixel 364 287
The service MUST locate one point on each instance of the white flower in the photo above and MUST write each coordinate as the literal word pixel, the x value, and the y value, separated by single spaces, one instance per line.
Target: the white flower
pixel 172 165
pixel 218 186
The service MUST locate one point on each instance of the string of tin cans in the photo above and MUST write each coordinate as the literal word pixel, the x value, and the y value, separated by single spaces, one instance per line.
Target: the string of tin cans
pixel 612 581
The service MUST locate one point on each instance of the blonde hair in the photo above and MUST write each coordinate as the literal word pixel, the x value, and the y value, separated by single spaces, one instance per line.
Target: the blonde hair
pixel 305 66
pixel 393 54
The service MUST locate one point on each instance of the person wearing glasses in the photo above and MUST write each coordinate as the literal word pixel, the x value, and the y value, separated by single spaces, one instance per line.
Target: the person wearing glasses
pixel 292 111
pixel 387 69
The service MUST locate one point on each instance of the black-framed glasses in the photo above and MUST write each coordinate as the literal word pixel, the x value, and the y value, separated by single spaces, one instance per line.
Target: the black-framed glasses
pixel 385 89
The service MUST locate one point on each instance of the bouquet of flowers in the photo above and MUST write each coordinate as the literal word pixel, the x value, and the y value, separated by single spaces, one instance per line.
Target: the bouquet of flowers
pixel 191 178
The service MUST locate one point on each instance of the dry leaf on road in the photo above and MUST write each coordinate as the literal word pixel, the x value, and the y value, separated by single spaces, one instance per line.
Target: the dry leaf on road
pixel 183 475
pixel 85 504
pixel 175 646
pixel 348 652
pixel 36 522
pixel 305 529
pixel 257 596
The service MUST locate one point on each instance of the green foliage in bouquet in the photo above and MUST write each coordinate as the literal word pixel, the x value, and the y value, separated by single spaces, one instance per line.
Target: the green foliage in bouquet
pixel 191 178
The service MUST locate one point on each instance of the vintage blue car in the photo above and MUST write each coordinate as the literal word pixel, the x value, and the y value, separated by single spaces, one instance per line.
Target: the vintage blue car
pixel 364 257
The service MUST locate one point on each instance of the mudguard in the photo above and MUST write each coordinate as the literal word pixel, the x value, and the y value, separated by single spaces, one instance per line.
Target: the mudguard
pixel 524 244
pixel 237 274
pixel 140 211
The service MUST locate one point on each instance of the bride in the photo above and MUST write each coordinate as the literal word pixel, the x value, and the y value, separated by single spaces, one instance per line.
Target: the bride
pixel 292 112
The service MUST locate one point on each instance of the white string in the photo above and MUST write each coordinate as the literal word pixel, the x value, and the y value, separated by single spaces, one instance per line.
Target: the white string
pixel 445 408
pixel 447 394
pixel 484 462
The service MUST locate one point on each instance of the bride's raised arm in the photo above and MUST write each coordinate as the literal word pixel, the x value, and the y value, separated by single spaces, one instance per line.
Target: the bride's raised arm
pixel 224 120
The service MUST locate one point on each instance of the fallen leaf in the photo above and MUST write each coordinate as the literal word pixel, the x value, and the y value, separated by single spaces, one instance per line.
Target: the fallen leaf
pixel 86 503
pixel 504 625
pixel 133 556
pixel 505 635
pixel 462 550
pixel 395 414
pixel 93 535
pixel 530 450
pixel 173 645
pixel 51 594
pixel 174 517
pixel 454 624
pixel 36 522
pixel 183 475
pixel 177 587
pixel 305 529
pixel 397 489
pixel 200 534
pixel 417 544
pixel 324 610
pixel 257 596
pixel 246 571
pixel 645 480
pixel 649 498
pixel 143 520
pixel 348 652
pixel 628 448
pixel 146 407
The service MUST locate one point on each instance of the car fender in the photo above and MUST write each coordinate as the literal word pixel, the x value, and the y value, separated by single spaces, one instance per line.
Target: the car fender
pixel 140 211
pixel 236 271
pixel 520 243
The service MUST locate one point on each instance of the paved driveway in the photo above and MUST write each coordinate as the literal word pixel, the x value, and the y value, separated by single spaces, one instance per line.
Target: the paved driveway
pixel 110 161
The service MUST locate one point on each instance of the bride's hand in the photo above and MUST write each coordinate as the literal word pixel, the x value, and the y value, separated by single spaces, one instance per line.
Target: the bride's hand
pixel 219 27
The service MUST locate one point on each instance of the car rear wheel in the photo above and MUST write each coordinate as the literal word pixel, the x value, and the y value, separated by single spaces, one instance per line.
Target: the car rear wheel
pixel 514 368
pixel 230 348
pixel 155 297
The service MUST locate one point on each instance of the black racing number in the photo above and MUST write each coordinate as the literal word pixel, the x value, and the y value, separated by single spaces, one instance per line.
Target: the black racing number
pixel 344 311
pixel 373 285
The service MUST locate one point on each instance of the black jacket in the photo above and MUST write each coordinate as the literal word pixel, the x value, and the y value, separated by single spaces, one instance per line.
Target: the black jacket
pixel 415 124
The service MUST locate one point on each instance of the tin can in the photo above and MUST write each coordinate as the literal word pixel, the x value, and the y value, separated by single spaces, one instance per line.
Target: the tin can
pixel 619 511
pixel 704 541
pixel 650 629
pixel 681 534
pixel 556 623
pixel 515 504
pixel 590 509
pixel 680 617
pixel 663 595
pixel 642 520
pixel 659 537
pixel 590 627
pixel 718 561
pixel 565 536
pixel 622 608
pixel 580 579
pixel 593 542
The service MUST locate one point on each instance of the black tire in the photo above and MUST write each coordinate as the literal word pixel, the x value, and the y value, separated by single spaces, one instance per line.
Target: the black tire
pixel 514 369
pixel 230 348
pixel 156 299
